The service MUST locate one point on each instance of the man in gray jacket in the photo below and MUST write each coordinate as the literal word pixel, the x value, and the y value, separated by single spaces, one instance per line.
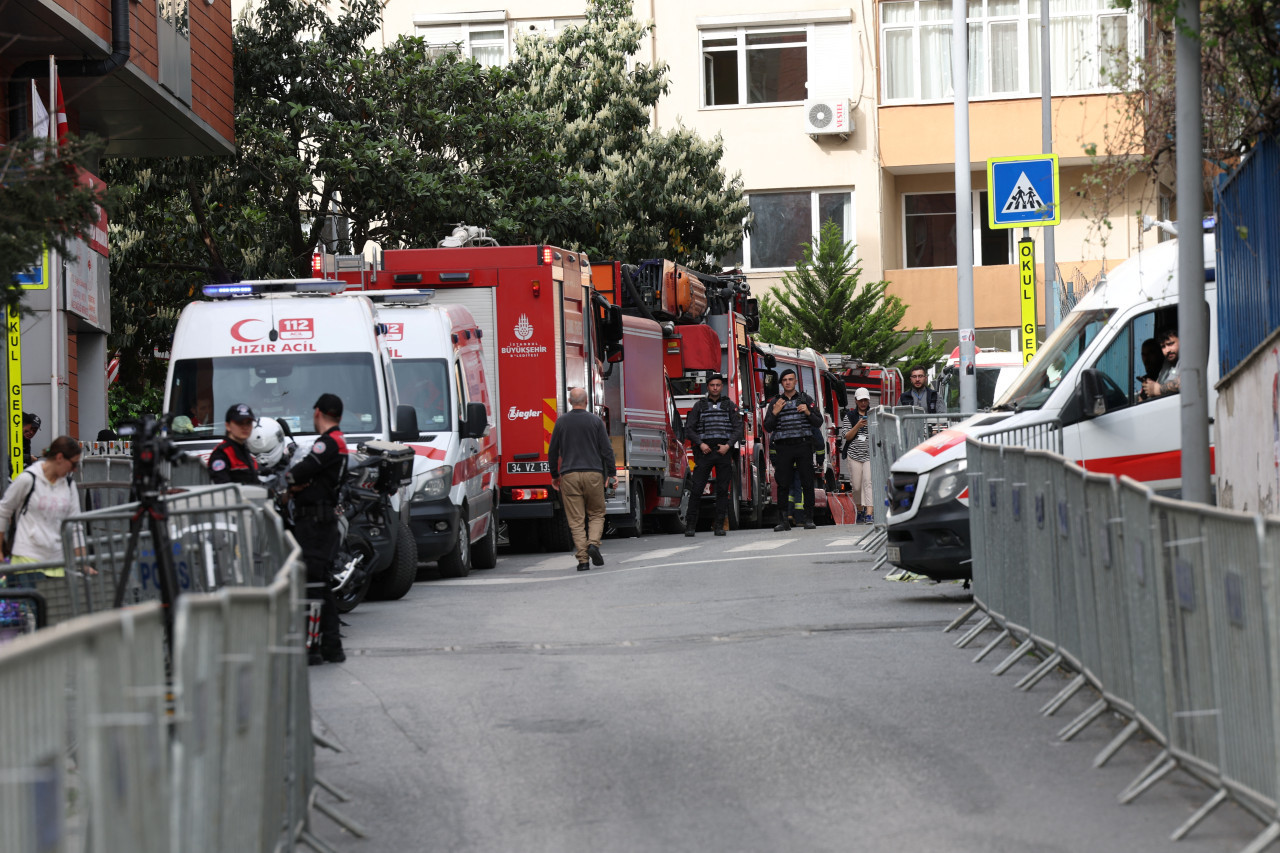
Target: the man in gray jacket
pixel 581 461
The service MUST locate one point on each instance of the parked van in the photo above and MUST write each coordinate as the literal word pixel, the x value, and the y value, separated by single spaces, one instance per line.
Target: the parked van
pixel 1087 377
pixel 995 370
pixel 437 357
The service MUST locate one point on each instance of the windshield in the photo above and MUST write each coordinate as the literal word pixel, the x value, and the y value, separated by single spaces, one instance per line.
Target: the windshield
pixel 1055 359
pixel 424 384
pixel 280 386
pixel 988 379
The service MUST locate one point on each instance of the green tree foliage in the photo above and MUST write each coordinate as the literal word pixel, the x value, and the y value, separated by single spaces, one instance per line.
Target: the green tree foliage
pixel 651 193
pixel 824 304
pixel 41 204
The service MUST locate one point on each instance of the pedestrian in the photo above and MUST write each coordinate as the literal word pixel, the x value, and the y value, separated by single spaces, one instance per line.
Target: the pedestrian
pixel 231 461
pixel 919 394
pixel 33 509
pixel 30 426
pixel 581 460
pixel 855 431
pixel 313 483
pixel 790 419
pixel 714 430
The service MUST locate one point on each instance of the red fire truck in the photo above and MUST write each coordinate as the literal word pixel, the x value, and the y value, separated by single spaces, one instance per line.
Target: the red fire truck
pixel 543 336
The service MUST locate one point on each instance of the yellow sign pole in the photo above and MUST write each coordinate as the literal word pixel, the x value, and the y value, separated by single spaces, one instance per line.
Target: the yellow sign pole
pixel 15 391
pixel 1027 280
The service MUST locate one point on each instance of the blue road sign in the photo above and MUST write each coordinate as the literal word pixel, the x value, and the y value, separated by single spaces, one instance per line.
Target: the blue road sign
pixel 1023 191
pixel 31 275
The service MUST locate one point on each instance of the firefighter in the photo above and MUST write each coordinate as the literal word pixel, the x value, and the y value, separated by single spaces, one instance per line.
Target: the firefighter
pixel 714 428
pixel 790 419
pixel 313 483
pixel 231 461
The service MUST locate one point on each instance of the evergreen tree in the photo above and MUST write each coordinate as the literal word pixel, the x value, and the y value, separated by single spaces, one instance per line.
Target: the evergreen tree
pixel 824 304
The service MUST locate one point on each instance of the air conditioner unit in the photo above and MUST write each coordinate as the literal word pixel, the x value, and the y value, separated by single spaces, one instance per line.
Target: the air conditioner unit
pixel 827 116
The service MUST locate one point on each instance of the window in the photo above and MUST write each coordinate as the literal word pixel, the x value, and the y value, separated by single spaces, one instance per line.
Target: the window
pixel 783 221
pixel 424 384
pixel 1134 353
pixel 754 66
pixel 929 232
pixel 483 41
pixel 1091 42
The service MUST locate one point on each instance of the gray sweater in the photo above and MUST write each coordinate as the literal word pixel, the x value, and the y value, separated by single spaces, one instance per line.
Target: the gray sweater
pixel 580 443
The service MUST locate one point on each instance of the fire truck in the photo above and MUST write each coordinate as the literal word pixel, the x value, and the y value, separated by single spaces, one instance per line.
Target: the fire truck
pixel 543 335
pixel 885 384
pixel 708 323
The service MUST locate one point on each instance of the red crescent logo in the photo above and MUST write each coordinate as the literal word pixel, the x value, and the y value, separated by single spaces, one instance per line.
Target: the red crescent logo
pixel 239 336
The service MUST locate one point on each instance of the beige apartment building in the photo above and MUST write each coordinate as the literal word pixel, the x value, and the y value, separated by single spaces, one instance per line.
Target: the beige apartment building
pixel 846 113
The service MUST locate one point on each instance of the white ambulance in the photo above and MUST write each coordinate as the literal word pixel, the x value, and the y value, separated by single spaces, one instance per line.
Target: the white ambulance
pixel 1086 377
pixel 437 356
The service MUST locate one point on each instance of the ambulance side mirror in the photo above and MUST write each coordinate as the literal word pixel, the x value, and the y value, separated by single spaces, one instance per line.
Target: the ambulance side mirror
pixel 1093 396
pixel 476 423
pixel 406 428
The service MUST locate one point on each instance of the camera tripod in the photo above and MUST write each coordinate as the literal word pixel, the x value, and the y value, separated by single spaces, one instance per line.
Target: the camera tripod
pixel 152 507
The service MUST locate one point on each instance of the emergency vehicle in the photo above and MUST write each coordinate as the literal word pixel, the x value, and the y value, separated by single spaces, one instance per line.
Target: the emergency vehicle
pixel 533 306
pixel 708 323
pixel 884 384
pixel 437 357
pixel 996 370
pixel 1086 378
pixel 644 424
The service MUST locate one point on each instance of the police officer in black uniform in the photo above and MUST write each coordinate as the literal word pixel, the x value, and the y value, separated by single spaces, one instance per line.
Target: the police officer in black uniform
pixel 790 418
pixel 231 461
pixel 714 429
pixel 314 483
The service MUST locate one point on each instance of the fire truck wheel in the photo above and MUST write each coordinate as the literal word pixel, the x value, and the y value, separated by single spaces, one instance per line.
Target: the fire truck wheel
pixel 522 536
pixel 735 503
pixel 555 534
pixel 395 580
pixel 760 494
pixel 457 563
pixel 485 553
pixel 634 525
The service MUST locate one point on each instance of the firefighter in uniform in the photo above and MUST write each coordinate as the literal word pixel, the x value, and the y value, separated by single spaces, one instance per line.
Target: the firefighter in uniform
pixel 790 418
pixel 714 428
pixel 231 461
pixel 313 483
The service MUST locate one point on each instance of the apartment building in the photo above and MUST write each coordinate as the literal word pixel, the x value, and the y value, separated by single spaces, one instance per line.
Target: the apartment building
pixel 148 77
pixel 771 83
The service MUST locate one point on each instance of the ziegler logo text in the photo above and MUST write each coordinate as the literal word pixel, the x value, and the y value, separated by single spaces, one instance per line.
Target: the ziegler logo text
pixel 515 414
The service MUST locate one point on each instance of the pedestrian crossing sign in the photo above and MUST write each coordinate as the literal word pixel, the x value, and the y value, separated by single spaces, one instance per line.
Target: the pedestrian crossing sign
pixel 1023 191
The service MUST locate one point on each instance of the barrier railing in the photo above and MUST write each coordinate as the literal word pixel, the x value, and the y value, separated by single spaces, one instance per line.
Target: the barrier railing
pixel 113 738
pixel 1169 610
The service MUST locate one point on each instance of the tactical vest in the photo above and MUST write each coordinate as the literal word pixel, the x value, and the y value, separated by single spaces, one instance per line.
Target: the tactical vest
pixel 791 424
pixel 715 423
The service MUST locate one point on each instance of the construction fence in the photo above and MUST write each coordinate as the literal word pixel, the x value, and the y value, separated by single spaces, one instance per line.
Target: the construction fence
pixel 150 728
pixel 1169 610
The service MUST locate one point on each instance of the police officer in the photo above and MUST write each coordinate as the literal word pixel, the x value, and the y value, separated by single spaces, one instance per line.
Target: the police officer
pixel 714 429
pixel 790 418
pixel 231 461
pixel 30 426
pixel 314 483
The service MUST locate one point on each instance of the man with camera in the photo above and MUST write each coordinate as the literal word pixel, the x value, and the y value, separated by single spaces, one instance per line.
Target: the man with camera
pixel 790 418
pixel 314 482
pixel 231 461
pixel 714 429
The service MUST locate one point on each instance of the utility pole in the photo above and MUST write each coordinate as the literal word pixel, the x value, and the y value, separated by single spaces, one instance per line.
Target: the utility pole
pixel 1051 301
pixel 964 206
pixel 1193 321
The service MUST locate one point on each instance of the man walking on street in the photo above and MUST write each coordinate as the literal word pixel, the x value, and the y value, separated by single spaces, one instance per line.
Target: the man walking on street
pixel 856 459
pixel 790 419
pixel 314 482
pixel 581 460
pixel 714 430
pixel 919 394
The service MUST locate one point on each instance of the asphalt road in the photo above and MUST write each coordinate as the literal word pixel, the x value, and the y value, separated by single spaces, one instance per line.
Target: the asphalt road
pixel 756 692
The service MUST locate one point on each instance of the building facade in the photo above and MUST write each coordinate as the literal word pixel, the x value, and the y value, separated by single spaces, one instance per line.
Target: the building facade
pixel 149 78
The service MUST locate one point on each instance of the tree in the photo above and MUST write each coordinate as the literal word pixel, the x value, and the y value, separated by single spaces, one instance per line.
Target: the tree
pixel 651 193
pixel 823 304
pixel 42 203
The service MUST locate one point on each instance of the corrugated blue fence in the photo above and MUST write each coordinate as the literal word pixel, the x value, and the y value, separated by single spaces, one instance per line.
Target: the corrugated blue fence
pixel 1248 238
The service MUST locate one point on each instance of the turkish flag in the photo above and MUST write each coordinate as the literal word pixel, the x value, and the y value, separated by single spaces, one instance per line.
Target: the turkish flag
pixel 61 116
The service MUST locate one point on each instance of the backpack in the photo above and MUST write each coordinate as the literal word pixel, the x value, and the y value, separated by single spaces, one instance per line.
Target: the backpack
pixel 11 535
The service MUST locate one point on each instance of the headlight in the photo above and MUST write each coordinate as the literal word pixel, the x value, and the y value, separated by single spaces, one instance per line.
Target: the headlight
pixel 434 484
pixel 946 483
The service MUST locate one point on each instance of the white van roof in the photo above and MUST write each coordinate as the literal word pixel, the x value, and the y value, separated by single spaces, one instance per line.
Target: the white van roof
pixel 424 331
pixel 1149 275
pixel 301 323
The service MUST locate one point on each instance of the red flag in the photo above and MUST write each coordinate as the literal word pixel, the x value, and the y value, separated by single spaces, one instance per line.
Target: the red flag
pixel 61 117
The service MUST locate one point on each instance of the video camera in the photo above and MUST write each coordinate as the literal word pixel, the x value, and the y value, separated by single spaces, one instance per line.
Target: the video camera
pixel 151 446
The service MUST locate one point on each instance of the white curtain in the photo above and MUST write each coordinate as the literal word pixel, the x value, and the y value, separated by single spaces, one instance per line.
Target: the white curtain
pixel 900 65
pixel 1004 57
pixel 935 62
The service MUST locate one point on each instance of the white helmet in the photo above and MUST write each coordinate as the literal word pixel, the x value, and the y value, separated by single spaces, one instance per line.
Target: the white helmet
pixel 267 442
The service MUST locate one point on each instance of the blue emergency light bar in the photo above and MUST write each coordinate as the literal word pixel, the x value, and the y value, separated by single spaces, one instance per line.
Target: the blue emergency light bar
pixel 400 297
pixel 259 287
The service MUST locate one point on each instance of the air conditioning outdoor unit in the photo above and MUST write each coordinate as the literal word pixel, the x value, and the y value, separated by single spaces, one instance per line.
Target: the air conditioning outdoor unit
pixel 824 116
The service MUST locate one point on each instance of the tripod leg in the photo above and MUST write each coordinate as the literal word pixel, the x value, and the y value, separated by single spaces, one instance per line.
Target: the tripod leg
pixel 135 527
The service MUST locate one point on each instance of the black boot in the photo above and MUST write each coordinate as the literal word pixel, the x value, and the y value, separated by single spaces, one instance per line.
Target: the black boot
pixel 718 527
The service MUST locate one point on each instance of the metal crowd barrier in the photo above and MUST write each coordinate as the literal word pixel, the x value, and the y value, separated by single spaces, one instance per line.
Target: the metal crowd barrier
pixel 1169 610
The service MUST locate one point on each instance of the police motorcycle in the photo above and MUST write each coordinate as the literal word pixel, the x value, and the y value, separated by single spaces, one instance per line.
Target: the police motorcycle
pixel 378 556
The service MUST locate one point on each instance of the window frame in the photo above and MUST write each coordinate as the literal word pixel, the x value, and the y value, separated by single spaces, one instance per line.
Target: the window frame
pixel 1028 22
pixel 740 49
pixel 815 225
pixel 977 222
pixel 467 27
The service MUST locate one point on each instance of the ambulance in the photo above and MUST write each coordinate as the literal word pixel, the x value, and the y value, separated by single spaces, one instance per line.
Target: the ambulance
pixel 437 357
pixel 1085 378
